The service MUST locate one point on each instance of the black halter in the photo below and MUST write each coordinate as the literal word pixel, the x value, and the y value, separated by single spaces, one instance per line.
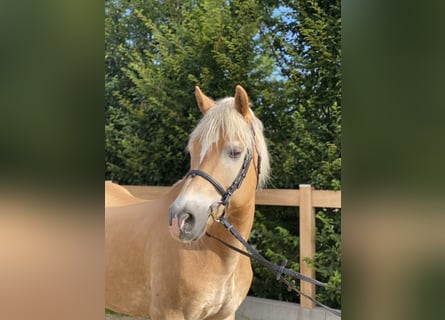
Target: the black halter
pixel 236 184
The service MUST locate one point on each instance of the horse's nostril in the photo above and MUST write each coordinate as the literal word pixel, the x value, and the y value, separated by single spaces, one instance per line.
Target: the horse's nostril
pixel 186 222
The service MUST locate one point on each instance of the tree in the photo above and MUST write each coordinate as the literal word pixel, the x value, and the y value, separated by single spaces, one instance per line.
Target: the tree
pixel 304 127
pixel 210 43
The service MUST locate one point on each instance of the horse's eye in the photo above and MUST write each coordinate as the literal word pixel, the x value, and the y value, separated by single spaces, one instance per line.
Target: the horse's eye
pixel 234 153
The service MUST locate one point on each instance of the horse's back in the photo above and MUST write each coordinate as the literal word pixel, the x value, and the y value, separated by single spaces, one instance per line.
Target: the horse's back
pixel 118 196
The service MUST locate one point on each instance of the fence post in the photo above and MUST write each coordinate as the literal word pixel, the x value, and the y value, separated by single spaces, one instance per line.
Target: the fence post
pixel 307 243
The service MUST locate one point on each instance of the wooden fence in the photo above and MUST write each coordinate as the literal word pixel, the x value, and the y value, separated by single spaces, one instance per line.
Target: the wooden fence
pixel 305 197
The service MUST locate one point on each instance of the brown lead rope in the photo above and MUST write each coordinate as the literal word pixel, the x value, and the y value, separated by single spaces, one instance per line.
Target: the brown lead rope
pixel 275 269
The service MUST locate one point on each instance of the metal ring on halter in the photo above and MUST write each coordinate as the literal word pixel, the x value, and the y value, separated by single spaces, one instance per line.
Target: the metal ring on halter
pixel 214 209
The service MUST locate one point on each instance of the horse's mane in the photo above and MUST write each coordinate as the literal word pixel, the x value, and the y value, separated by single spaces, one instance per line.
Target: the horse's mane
pixel 223 120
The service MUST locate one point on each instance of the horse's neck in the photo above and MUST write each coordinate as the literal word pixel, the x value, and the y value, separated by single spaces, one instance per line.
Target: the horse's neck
pixel 242 220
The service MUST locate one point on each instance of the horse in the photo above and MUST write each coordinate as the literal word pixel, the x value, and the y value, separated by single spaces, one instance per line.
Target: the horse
pixel 159 264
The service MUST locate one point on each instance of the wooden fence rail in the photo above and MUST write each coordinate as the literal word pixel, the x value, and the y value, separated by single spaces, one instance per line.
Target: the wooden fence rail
pixel 305 197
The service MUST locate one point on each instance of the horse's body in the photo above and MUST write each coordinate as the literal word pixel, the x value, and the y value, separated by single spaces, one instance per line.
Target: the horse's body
pixel 158 264
pixel 118 196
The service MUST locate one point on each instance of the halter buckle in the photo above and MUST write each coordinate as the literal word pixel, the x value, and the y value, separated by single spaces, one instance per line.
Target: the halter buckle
pixel 215 211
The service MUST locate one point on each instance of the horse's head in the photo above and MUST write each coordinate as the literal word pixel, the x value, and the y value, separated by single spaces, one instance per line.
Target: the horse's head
pixel 225 149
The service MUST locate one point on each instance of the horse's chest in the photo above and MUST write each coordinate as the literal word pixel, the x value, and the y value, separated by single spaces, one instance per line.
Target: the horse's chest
pixel 197 288
pixel 216 299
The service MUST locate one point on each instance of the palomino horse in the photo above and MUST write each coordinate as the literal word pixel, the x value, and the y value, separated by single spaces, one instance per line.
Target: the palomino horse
pixel 158 264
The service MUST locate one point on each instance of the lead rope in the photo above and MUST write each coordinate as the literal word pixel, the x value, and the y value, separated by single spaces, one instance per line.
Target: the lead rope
pixel 275 269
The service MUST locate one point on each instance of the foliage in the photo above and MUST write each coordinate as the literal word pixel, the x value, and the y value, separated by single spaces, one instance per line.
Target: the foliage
pixel 287 56
pixel 277 244
pixel 327 260
pixel 148 120
pixel 303 119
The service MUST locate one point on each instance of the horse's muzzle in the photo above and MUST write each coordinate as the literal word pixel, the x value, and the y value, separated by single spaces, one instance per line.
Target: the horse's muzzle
pixel 183 225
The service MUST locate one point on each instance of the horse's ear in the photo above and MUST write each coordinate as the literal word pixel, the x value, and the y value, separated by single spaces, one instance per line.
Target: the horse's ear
pixel 242 103
pixel 204 102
